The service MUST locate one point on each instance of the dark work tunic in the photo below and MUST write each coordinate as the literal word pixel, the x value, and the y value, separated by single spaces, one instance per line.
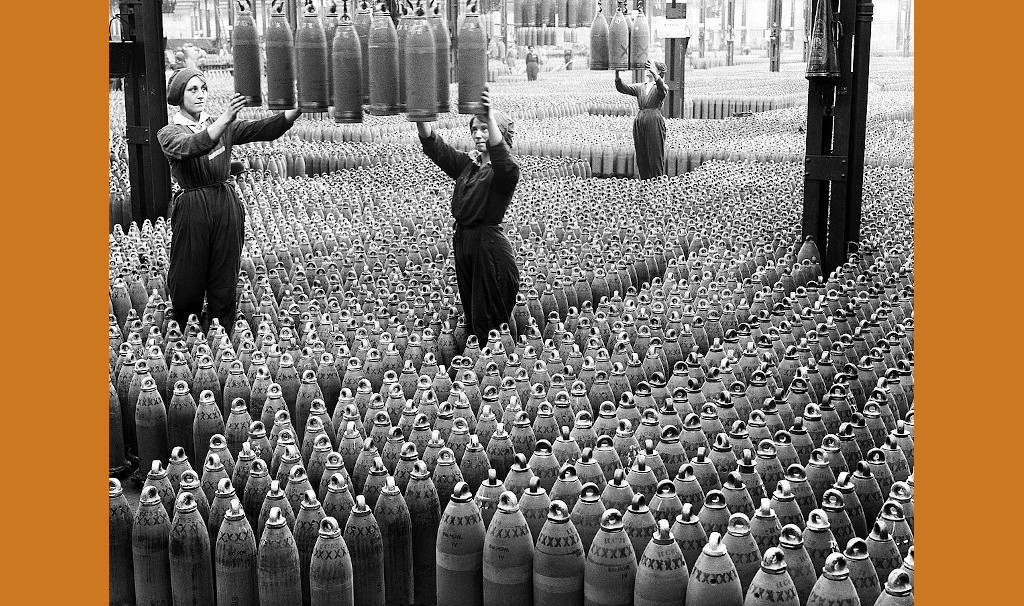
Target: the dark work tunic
pixel 648 128
pixel 532 66
pixel 485 265
pixel 209 220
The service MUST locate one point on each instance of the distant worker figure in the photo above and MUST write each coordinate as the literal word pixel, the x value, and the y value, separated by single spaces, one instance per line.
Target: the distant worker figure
pixel 191 54
pixel 532 63
pixel 568 59
pixel 511 56
pixel 649 126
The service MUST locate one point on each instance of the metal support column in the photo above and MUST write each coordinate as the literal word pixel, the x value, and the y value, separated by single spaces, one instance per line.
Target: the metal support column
pixel 145 101
pixel 722 24
pixel 504 26
pixel 836 121
pixel 701 28
pixel 864 15
pixel 730 36
pixel 791 35
pixel 775 35
pixel 900 9
pixel 807 29
pixel 743 28
pixel 218 40
pixel 677 37
pixel 839 198
pixel 906 27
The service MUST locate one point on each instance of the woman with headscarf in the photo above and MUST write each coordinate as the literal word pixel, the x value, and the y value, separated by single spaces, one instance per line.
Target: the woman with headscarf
pixel 485 179
pixel 208 218
pixel 532 63
pixel 649 126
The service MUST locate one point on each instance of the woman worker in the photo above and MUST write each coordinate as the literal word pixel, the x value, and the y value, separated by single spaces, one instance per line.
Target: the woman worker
pixel 649 125
pixel 532 63
pixel 208 219
pixel 485 179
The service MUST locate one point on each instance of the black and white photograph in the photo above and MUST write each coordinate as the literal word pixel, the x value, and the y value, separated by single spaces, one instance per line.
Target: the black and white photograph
pixel 512 302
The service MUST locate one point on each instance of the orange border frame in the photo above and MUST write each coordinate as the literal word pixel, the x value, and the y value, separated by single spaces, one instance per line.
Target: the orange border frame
pixel 55 246
pixel 55 174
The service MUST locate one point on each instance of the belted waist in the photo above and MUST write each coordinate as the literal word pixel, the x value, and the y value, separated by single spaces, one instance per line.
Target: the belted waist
pixel 198 187
pixel 463 227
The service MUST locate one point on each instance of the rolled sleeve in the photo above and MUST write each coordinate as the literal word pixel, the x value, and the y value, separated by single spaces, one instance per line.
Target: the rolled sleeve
pixel 267 129
pixel 178 142
pixel 447 158
pixel 504 166
pixel 625 89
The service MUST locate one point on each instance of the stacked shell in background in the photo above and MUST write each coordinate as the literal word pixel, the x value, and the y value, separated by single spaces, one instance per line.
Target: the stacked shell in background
pixel 682 408
pixel 721 332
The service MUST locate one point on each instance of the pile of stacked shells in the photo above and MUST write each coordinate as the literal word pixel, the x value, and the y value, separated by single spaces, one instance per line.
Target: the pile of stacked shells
pixel 709 107
pixel 895 73
pixel 563 93
pixel 711 62
pixel 600 145
pixel 555 106
pixel 893 105
pixel 680 403
pixel 766 136
pixel 537 21
pixel 294 159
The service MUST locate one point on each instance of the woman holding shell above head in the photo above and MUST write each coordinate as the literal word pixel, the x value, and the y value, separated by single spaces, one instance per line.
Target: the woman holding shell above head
pixel 485 179
pixel 649 126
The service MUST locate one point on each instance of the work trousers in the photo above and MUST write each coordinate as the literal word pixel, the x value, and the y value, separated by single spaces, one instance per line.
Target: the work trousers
pixel 488 277
pixel 208 232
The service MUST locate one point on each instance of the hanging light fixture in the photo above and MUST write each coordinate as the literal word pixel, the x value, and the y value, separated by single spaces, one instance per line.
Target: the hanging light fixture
pixel 823 57
pixel 120 49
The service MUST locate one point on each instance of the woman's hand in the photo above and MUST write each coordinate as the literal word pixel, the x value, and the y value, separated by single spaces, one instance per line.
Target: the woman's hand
pixel 650 68
pixel 494 136
pixel 236 103
pixel 217 129
pixel 485 100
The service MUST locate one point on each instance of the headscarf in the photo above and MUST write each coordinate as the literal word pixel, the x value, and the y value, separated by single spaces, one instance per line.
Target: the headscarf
pixel 505 124
pixel 176 85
